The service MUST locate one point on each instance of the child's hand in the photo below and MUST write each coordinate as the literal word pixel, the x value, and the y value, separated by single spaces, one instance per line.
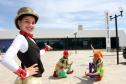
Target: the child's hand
pixel 48 47
pixel 71 63
pixel 32 70
pixel 85 73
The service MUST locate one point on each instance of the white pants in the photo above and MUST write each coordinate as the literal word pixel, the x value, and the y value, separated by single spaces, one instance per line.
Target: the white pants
pixel 28 80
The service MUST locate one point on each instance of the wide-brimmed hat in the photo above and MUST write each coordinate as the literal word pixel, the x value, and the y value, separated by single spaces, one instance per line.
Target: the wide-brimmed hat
pixel 24 11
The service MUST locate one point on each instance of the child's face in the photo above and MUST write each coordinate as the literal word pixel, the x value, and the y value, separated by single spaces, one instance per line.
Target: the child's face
pixel 65 56
pixel 95 58
pixel 27 24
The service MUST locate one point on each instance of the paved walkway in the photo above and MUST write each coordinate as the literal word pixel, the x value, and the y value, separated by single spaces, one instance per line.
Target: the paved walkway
pixel 114 74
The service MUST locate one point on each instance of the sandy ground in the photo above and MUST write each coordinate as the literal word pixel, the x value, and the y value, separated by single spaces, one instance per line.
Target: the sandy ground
pixel 113 73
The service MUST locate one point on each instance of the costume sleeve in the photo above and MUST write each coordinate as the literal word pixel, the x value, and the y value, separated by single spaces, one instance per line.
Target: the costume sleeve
pixel 42 51
pixel 8 59
pixel 100 71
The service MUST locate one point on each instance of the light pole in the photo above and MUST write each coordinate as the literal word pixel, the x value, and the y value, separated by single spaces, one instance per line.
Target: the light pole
pixel 108 42
pixel 75 45
pixel 117 38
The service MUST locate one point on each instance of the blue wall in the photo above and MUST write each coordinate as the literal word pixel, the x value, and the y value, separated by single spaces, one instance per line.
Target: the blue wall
pixel 4 44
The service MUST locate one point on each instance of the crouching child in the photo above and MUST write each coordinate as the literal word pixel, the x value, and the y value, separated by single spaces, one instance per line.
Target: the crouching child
pixel 63 66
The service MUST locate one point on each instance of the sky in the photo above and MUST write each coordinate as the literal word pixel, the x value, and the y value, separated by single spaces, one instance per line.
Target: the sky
pixel 66 14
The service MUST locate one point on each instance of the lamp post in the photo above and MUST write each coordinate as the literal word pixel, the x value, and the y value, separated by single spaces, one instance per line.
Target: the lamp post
pixel 117 38
pixel 75 45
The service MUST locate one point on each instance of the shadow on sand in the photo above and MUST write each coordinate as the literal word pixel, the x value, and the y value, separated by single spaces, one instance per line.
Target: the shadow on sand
pixel 85 80
pixel 54 78
pixel 123 63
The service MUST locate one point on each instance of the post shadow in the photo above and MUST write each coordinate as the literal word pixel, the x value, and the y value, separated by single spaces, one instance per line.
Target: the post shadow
pixel 85 80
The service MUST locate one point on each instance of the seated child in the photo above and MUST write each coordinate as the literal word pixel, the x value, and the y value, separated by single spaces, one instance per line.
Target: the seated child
pixel 96 68
pixel 92 65
pixel 63 66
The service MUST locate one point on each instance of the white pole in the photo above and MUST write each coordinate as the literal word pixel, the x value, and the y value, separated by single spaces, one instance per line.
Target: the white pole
pixel 108 41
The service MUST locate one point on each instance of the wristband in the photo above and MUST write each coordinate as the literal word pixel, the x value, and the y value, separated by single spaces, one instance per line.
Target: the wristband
pixel 21 73
pixel 46 48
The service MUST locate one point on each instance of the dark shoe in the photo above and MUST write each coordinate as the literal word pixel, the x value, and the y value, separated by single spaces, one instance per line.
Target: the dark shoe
pixel 70 72
pixel 54 74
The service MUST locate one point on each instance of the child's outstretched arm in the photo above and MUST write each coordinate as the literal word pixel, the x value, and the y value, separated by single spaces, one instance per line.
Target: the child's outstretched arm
pixel 92 48
pixel 46 48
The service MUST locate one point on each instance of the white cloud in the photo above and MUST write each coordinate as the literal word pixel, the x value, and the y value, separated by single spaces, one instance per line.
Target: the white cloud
pixel 3 29
pixel 69 13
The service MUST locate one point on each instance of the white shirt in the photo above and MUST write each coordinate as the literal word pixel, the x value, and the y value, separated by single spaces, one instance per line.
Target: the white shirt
pixel 19 44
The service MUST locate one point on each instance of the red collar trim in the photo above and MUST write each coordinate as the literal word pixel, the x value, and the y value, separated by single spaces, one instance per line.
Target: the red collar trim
pixel 26 34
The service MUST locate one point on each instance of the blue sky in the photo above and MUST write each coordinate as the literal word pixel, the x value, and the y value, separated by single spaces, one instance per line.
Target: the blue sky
pixel 64 13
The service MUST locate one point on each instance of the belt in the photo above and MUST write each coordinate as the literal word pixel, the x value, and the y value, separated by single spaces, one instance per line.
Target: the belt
pixel 37 75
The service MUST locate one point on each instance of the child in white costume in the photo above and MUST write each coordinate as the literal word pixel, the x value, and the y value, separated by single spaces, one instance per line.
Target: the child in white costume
pixel 26 49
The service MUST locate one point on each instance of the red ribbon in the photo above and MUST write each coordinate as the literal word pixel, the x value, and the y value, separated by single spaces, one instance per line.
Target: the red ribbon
pixel 26 34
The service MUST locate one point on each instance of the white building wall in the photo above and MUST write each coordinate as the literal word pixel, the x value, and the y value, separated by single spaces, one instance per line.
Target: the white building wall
pixel 70 33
